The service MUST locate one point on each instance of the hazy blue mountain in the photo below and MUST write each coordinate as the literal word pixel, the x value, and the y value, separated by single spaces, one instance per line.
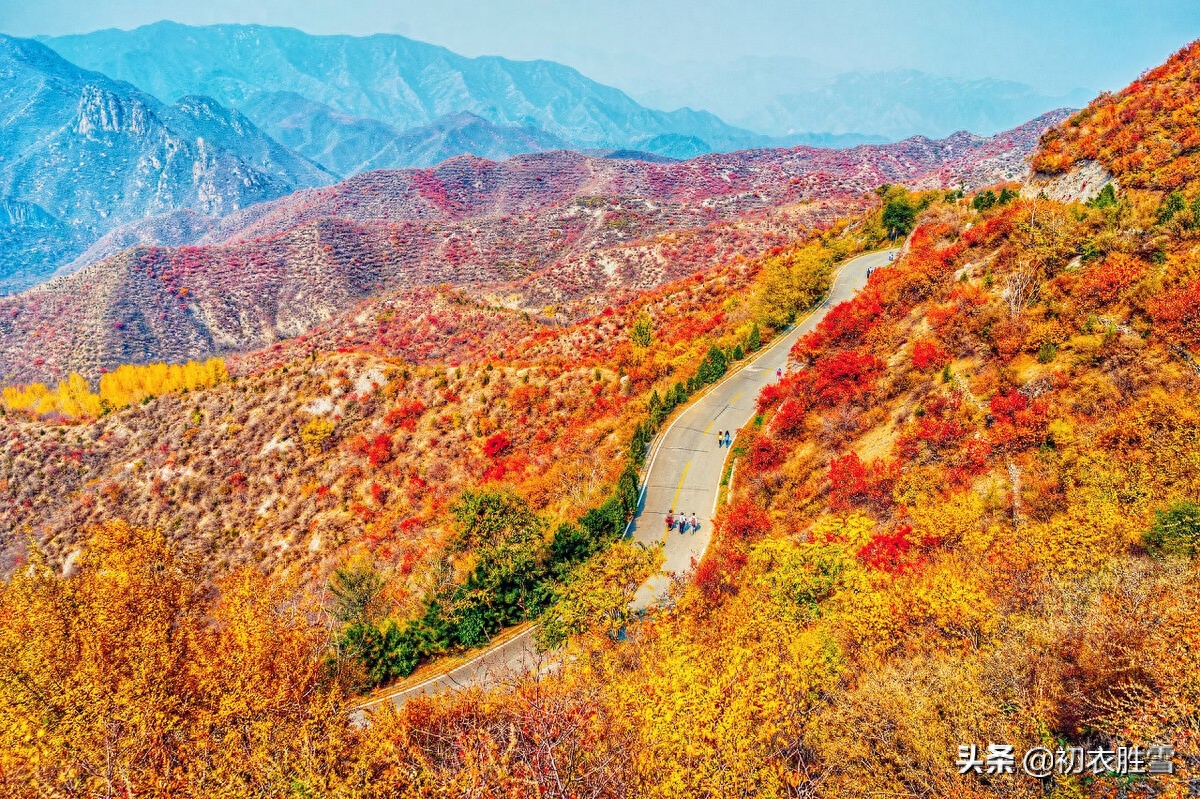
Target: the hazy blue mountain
pixel 341 142
pixel 463 134
pixel 782 96
pixel 387 78
pixel 903 103
pixel 348 145
pixel 81 154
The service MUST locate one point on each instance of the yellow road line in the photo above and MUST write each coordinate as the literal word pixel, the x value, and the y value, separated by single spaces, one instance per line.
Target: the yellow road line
pixel 714 421
pixel 678 490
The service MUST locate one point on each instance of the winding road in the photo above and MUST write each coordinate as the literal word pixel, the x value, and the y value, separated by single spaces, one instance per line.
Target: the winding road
pixel 686 466
pixel 684 475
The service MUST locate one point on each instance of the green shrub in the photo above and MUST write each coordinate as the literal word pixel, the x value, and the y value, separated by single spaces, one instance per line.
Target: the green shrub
pixel 1176 530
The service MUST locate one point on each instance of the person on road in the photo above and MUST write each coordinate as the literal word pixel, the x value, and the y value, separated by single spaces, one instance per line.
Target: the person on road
pixel 779 373
pixel 683 523
pixel 671 519
pixel 720 438
pixel 695 523
pixel 728 439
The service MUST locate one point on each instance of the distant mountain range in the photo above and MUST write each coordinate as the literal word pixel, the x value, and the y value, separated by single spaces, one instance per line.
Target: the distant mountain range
pixel 116 139
pixel 894 104
pixel 81 153
pixel 385 78
pixel 783 95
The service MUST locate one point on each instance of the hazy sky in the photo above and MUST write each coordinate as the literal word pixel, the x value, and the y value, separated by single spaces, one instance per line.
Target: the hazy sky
pixel 1054 45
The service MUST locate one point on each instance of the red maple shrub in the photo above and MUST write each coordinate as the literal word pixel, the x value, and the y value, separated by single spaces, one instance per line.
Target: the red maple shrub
pixel 854 484
pixel 929 355
pixel 497 444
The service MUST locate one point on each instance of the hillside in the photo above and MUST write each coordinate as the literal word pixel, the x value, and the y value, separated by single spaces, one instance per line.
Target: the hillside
pixel 396 81
pixel 528 232
pixel 81 153
pixel 1143 135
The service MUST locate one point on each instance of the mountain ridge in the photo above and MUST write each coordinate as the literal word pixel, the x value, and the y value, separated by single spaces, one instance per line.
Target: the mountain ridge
pixel 389 78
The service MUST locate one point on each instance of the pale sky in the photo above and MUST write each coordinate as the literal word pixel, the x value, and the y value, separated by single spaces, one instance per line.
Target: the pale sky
pixel 1053 45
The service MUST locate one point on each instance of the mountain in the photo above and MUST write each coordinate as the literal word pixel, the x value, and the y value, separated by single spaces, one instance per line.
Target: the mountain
pixel 789 96
pixel 348 145
pixel 901 103
pixel 205 118
pixel 460 134
pixel 529 232
pixel 386 78
pixel 81 153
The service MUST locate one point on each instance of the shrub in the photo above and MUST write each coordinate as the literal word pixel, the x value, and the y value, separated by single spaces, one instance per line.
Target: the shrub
pixel 315 435
pixel 1176 530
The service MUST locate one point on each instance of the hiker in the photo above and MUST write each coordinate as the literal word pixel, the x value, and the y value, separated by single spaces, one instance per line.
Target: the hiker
pixel 695 523
pixel 728 439
pixel 671 519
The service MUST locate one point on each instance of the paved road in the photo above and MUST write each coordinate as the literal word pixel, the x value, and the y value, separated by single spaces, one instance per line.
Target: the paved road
pixel 684 475
pixel 515 656
pixel 686 466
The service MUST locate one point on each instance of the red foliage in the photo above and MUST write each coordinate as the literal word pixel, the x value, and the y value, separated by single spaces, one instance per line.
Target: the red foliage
pixel 1006 404
pixel 497 444
pixel 380 450
pixel 1176 314
pixel 892 552
pixel 716 574
pixel 929 355
pixel 766 454
pixel 405 415
pixel 743 520
pixel 789 421
pixel 1106 282
pixel 853 483
pixel 1017 422
pixel 378 493
pixel 845 376
pixel 936 433
pixel 846 325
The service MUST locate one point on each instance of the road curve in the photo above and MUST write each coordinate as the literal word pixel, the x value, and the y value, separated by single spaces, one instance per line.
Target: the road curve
pixel 685 468
pixel 517 655
pixel 684 474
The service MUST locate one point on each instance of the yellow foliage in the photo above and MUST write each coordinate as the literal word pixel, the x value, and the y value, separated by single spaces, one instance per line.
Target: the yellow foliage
pixel 315 435
pixel 791 282
pixel 124 679
pixel 127 385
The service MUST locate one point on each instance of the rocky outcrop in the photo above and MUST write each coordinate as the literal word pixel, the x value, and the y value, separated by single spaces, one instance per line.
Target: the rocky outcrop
pixel 82 154
pixel 1080 183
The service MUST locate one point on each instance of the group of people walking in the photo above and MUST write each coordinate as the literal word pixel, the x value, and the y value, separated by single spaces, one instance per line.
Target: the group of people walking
pixel 684 522
pixel 724 438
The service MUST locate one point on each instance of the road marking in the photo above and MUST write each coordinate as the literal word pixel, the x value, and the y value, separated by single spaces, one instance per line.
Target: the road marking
pixel 682 477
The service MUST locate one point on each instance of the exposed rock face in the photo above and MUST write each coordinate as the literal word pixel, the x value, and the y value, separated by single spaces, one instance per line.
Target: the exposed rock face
pixel 81 154
pixel 1080 183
